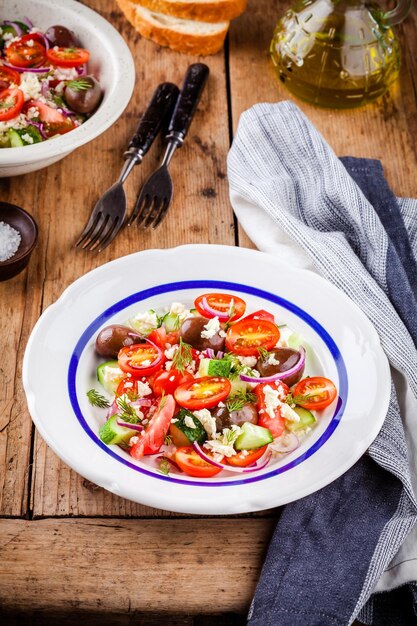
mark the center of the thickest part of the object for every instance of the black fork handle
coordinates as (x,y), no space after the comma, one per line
(159,110)
(192,88)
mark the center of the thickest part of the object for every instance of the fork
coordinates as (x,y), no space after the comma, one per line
(156,194)
(108,214)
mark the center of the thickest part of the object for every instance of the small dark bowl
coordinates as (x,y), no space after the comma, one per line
(24,223)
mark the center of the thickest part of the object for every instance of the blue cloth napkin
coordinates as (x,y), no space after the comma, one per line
(349,550)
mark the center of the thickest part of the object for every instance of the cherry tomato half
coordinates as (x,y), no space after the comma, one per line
(167,381)
(319,392)
(243,460)
(275,424)
(21,54)
(54,122)
(140,359)
(11,102)
(260,315)
(68,57)
(248,335)
(161,337)
(222,304)
(193,465)
(153,437)
(9,76)
(202,393)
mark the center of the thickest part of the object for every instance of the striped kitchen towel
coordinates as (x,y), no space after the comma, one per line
(350,550)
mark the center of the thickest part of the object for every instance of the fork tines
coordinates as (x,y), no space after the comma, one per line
(99,232)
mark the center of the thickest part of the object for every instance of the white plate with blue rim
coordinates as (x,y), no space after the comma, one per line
(60,367)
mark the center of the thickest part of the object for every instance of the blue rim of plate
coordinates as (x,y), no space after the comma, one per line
(226,286)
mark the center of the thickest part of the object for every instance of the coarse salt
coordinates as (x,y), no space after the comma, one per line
(9,241)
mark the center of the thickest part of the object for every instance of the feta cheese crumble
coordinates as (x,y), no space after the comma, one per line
(223,443)
(144,322)
(188,421)
(143,389)
(211,328)
(207,421)
(275,398)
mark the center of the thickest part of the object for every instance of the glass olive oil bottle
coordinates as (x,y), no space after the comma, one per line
(337,53)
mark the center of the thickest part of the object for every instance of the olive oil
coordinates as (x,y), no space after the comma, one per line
(335,53)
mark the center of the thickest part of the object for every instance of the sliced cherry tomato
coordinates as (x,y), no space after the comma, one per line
(11,102)
(153,437)
(222,304)
(319,392)
(161,337)
(34,37)
(275,424)
(21,54)
(202,393)
(9,76)
(260,315)
(68,57)
(167,381)
(248,335)
(54,122)
(192,464)
(243,460)
(140,359)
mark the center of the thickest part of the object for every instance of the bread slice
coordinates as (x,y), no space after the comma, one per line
(203,10)
(191,36)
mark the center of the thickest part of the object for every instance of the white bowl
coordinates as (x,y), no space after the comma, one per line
(111,62)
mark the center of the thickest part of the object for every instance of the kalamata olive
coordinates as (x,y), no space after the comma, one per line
(61,36)
(247,414)
(83,94)
(191,330)
(114,337)
(225,419)
(287,358)
(222,416)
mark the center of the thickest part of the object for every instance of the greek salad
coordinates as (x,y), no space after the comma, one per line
(45,90)
(208,389)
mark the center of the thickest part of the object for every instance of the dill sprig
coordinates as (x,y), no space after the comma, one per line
(127,412)
(264,354)
(164,466)
(183,356)
(96,399)
(168,440)
(239,400)
(300,399)
(79,84)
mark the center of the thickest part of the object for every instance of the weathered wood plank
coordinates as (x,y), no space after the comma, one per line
(386,130)
(66,192)
(128,566)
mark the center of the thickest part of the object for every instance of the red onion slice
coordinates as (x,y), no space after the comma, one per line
(286,443)
(260,464)
(279,375)
(27,21)
(208,309)
(39,126)
(81,69)
(35,70)
(19,31)
(137,427)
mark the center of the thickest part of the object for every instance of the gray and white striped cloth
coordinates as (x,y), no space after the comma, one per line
(295,199)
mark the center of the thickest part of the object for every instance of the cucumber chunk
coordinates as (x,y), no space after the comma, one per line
(307,419)
(109,376)
(184,435)
(111,432)
(252,437)
(171,321)
(15,139)
(215,367)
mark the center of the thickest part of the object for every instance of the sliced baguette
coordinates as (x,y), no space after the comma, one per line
(189,36)
(203,10)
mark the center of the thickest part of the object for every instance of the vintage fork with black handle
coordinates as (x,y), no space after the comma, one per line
(156,194)
(108,214)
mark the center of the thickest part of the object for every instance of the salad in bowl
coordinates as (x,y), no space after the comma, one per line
(45,87)
(207,389)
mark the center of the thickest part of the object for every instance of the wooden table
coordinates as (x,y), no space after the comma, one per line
(66,545)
